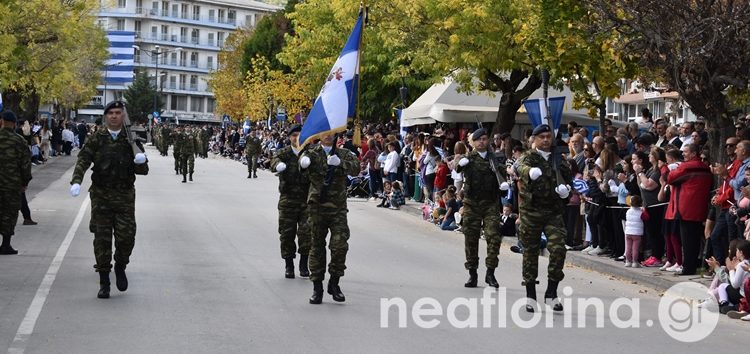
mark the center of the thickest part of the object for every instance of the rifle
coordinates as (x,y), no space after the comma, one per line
(493,160)
(556,150)
(329,173)
(126,124)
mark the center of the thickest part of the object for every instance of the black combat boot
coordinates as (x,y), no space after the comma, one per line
(289,271)
(551,295)
(184,179)
(190,177)
(490,278)
(304,271)
(120,279)
(335,290)
(176,171)
(249,175)
(5,248)
(255,175)
(317,296)
(530,295)
(103,285)
(472,282)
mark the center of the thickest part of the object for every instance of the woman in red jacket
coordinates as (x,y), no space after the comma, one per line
(690,185)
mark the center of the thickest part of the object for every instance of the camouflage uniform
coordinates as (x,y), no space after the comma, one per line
(481,210)
(112,195)
(541,210)
(327,207)
(293,214)
(206,133)
(186,143)
(165,134)
(15,174)
(252,150)
(174,137)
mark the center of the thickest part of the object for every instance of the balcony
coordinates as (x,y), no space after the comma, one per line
(179,41)
(193,87)
(193,63)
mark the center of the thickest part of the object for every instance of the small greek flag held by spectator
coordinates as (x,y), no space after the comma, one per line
(580,186)
(337,100)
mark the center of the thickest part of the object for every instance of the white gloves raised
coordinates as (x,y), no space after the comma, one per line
(563,190)
(75,190)
(504,186)
(140,158)
(280,167)
(304,162)
(463,162)
(334,160)
(535,173)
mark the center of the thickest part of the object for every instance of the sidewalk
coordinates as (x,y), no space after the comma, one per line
(650,277)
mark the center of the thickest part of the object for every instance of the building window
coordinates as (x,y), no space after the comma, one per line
(137,29)
(212,15)
(120,25)
(210,105)
(193,82)
(232,17)
(122,4)
(220,39)
(210,63)
(173,82)
(183,79)
(195,36)
(179,103)
(196,13)
(221,16)
(196,104)
(211,39)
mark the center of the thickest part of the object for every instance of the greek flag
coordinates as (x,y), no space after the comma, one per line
(120,65)
(1,101)
(337,100)
(537,111)
(580,186)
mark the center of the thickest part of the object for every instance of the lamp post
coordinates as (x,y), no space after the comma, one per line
(106,72)
(156,53)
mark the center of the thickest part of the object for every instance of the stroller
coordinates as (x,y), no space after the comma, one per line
(358,186)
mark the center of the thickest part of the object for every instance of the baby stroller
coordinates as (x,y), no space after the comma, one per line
(358,186)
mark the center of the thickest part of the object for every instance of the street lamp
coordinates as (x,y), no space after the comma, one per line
(156,53)
(106,72)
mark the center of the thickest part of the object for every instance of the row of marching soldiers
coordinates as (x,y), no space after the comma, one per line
(187,141)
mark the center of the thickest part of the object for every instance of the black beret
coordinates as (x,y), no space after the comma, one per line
(478,133)
(113,104)
(294,129)
(544,128)
(8,116)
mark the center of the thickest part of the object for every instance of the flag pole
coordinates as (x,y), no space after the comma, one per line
(357,138)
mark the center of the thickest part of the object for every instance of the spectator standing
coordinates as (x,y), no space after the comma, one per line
(392,161)
(68,138)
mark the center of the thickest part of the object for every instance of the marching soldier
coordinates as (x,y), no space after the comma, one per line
(327,168)
(293,187)
(15,174)
(174,137)
(481,208)
(165,135)
(542,204)
(252,150)
(187,144)
(112,194)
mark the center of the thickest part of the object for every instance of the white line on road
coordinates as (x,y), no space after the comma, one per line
(32,314)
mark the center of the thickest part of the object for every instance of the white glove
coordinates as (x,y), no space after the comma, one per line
(612,185)
(463,162)
(673,166)
(334,160)
(140,158)
(75,190)
(280,167)
(563,190)
(304,162)
(504,186)
(535,173)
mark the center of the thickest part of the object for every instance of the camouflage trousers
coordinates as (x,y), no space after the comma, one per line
(322,220)
(176,161)
(10,204)
(533,223)
(112,213)
(187,163)
(293,218)
(477,216)
(252,163)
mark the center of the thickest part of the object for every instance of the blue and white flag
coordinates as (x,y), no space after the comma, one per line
(1,101)
(537,111)
(337,100)
(121,63)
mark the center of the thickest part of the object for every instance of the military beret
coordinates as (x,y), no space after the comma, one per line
(114,104)
(544,128)
(8,116)
(478,133)
(294,129)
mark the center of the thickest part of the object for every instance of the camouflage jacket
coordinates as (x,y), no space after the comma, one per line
(333,195)
(15,161)
(539,196)
(186,143)
(293,184)
(112,159)
(174,139)
(252,146)
(480,182)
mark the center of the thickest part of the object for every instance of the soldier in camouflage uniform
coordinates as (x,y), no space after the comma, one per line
(165,134)
(327,167)
(174,137)
(293,187)
(252,151)
(15,174)
(542,204)
(207,133)
(198,137)
(186,142)
(112,194)
(481,209)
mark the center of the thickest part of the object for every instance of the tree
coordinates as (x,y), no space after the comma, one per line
(140,98)
(49,50)
(227,82)
(698,48)
(267,39)
(266,90)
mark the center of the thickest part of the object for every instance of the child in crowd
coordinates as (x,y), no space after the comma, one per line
(633,231)
(508,222)
(459,214)
(441,175)
(721,275)
(386,196)
(397,196)
(439,210)
(730,294)
(451,207)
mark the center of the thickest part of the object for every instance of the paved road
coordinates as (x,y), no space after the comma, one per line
(206,276)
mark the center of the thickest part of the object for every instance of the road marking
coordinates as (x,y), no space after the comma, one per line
(32,314)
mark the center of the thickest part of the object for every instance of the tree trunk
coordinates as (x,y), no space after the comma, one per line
(25,104)
(602,116)
(506,113)
(718,132)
